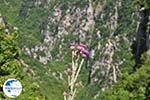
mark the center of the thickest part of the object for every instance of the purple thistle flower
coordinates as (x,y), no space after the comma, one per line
(83,45)
(81,49)
(85,53)
(72,45)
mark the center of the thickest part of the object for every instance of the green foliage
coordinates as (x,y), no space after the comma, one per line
(9,53)
(87,92)
(31,89)
(50,87)
(133,86)
(142,3)
(10,66)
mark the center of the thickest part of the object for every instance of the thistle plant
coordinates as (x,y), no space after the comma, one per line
(79,54)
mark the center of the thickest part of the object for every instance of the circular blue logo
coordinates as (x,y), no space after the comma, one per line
(12,88)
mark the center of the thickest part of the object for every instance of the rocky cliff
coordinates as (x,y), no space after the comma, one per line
(115,31)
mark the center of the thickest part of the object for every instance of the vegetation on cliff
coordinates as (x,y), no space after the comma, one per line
(36,51)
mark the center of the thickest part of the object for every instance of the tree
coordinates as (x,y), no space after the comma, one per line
(133,86)
(10,65)
(9,53)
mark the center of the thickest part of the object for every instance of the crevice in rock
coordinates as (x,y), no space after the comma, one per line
(139,45)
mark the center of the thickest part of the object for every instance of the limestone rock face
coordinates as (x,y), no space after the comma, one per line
(2,23)
(95,23)
(111,30)
(115,33)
